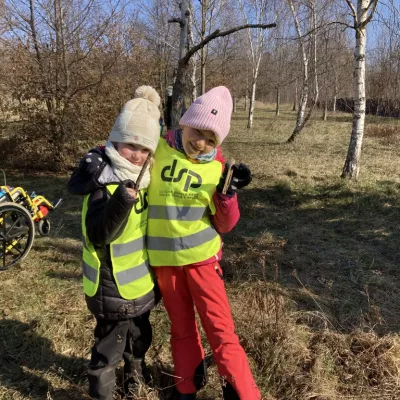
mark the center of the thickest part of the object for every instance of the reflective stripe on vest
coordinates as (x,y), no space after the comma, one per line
(89,272)
(124,249)
(129,257)
(132,274)
(181,243)
(179,231)
(183,213)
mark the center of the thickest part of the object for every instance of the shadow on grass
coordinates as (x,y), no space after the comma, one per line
(336,249)
(26,358)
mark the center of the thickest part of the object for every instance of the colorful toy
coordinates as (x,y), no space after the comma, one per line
(20,214)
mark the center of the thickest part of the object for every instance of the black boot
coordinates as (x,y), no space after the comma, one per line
(179,396)
(229,393)
(101,382)
(135,372)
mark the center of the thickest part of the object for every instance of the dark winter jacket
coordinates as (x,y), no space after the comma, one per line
(105,220)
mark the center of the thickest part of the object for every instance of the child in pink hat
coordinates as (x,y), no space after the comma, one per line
(187,213)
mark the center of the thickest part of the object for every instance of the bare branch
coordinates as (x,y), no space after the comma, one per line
(218,33)
(175,20)
(353,11)
(374,4)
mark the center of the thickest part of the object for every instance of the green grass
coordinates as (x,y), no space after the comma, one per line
(311,274)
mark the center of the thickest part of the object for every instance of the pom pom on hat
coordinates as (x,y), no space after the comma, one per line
(147,92)
(139,120)
(212,112)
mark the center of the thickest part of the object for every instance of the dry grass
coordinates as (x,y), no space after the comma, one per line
(311,273)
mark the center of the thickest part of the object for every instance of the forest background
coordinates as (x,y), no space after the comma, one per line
(311,269)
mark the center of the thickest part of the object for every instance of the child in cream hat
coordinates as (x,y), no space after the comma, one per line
(117,279)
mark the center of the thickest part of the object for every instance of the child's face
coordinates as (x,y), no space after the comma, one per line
(134,153)
(197,142)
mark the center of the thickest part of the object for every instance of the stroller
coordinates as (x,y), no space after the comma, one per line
(20,214)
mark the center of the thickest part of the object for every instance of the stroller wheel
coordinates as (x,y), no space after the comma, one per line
(44,227)
(16,234)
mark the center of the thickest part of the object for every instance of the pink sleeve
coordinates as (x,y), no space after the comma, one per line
(227,213)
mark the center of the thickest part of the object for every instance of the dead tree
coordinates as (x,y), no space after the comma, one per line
(178,95)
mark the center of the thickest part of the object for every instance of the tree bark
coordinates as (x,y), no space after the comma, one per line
(302,118)
(193,59)
(352,164)
(178,95)
(252,101)
(296,100)
(204,5)
(278,101)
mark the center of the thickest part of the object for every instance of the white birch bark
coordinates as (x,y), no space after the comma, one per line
(363,15)
(255,54)
(302,116)
(253,93)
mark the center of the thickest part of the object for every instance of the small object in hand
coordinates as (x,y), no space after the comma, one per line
(142,171)
(228,177)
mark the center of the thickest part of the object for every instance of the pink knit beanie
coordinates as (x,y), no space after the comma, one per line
(212,112)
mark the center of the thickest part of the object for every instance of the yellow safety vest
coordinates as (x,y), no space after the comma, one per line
(179,231)
(129,258)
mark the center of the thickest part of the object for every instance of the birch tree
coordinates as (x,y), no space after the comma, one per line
(256,42)
(302,116)
(362,14)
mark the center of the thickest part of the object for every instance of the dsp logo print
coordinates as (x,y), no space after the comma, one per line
(142,203)
(193,179)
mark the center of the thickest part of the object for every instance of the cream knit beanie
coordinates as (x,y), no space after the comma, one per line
(139,120)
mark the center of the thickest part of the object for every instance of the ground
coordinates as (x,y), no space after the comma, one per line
(311,272)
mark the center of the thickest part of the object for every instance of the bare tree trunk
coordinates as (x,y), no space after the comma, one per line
(252,101)
(335,94)
(234,104)
(278,101)
(178,95)
(352,163)
(204,5)
(325,116)
(302,118)
(247,88)
(193,59)
(296,95)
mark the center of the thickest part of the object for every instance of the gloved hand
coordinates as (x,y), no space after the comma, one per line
(241,177)
(130,187)
(90,165)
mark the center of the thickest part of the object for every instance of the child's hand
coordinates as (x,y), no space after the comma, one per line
(131,188)
(132,192)
(241,177)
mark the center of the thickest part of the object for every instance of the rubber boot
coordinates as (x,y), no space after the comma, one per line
(229,393)
(180,396)
(135,372)
(101,383)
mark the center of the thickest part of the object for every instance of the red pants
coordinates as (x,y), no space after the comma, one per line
(203,286)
